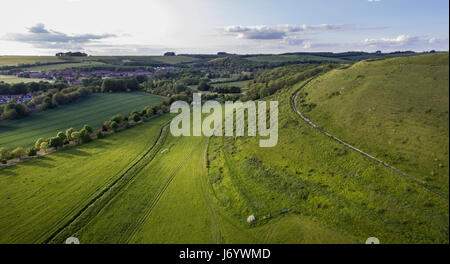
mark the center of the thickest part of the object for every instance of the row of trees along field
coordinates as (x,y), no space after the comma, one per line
(86,134)
(43,101)
(31,87)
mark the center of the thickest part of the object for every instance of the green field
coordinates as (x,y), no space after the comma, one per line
(240,84)
(173,59)
(17,60)
(14,79)
(64,66)
(93,111)
(397,110)
(38,196)
(306,189)
(144,60)
(292,58)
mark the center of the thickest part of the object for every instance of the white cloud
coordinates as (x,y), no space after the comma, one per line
(275,32)
(41,37)
(400,40)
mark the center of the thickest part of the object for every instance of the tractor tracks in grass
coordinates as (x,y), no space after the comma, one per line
(401,173)
(79,219)
(92,195)
(205,186)
(158,197)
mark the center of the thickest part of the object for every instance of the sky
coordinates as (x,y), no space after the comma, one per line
(152,27)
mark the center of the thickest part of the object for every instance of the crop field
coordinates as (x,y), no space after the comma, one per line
(291,58)
(14,79)
(39,195)
(64,66)
(17,60)
(397,109)
(93,111)
(173,59)
(117,60)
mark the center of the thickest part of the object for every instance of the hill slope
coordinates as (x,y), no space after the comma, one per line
(394,109)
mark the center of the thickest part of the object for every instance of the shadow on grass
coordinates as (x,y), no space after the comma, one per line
(41,163)
(6,171)
(71,152)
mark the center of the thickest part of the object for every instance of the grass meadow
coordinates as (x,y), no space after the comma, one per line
(14,79)
(64,66)
(240,84)
(395,109)
(39,195)
(18,60)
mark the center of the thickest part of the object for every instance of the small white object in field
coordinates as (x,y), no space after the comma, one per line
(72,240)
(251,219)
(372,240)
(164,151)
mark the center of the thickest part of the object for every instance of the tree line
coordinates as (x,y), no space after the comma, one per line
(87,133)
(31,87)
(42,101)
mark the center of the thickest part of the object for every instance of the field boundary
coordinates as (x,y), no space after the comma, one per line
(161,137)
(107,183)
(313,125)
(158,197)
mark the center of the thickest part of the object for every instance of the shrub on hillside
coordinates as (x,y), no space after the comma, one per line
(113,125)
(55,142)
(63,137)
(88,129)
(4,154)
(19,153)
(32,152)
(85,136)
(76,136)
(69,134)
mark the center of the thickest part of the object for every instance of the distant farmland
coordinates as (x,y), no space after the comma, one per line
(17,60)
(240,84)
(92,111)
(14,79)
(64,66)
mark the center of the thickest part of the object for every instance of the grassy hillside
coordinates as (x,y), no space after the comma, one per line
(142,60)
(39,195)
(394,109)
(17,60)
(64,66)
(93,111)
(307,189)
(240,84)
(173,59)
(309,177)
(292,58)
(170,200)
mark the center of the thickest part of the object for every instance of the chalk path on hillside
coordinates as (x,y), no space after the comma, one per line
(419,181)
